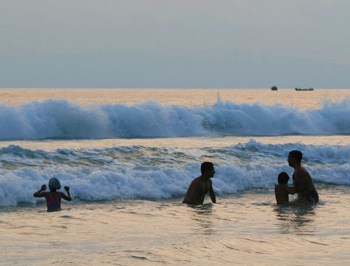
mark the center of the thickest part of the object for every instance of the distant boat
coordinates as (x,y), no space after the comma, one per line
(274,88)
(305,89)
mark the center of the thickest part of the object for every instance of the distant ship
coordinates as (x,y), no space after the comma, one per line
(306,89)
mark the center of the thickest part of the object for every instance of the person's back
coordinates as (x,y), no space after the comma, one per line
(304,186)
(282,190)
(197,191)
(53,200)
(281,193)
(303,180)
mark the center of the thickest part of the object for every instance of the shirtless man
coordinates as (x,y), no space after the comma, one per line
(201,185)
(302,181)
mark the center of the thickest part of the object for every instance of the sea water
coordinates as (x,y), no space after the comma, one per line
(130,154)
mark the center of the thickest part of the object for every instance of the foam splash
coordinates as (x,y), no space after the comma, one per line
(106,174)
(60,119)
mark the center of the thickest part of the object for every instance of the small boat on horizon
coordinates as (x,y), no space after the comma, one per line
(305,89)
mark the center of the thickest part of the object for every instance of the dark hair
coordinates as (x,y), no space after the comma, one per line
(297,155)
(283,178)
(206,166)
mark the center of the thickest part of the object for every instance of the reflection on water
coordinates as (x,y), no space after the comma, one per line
(203,215)
(298,219)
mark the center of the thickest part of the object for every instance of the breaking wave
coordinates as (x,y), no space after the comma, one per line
(61,119)
(137,172)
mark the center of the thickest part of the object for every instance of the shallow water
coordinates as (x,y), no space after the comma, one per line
(245,229)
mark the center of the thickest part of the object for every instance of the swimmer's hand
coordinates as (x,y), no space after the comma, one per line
(43,187)
(66,188)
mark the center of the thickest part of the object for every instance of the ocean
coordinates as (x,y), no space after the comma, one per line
(129,156)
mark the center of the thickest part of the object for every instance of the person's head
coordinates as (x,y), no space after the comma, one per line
(295,157)
(207,168)
(283,178)
(54,184)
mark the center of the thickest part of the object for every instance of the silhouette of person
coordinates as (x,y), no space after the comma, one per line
(282,190)
(201,185)
(302,181)
(53,198)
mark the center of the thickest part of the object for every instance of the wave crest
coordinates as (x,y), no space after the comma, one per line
(61,119)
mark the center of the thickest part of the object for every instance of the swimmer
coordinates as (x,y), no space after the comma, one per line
(53,198)
(282,190)
(201,185)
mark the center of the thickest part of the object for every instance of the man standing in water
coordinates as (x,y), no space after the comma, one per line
(302,181)
(201,185)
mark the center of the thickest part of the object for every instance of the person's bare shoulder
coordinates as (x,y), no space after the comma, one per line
(197,180)
(303,173)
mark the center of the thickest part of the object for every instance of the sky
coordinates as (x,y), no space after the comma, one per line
(178,43)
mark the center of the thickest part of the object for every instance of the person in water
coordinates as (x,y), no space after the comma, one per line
(302,181)
(53,198)
(201,185)
(282,190)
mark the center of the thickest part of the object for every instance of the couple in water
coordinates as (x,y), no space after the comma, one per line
(302,184)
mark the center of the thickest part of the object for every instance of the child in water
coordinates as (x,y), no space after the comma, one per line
(53,198)
(282,190)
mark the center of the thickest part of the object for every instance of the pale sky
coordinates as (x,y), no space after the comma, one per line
(178,43)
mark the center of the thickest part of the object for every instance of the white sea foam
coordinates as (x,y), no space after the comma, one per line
(66,120)
(138,172)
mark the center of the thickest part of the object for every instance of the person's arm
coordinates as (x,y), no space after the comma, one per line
(290,190)
(211,192)
(40,193)
(68,196)
(276,192)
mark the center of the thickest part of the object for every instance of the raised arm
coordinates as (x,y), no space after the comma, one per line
(68,196)
(40,193)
